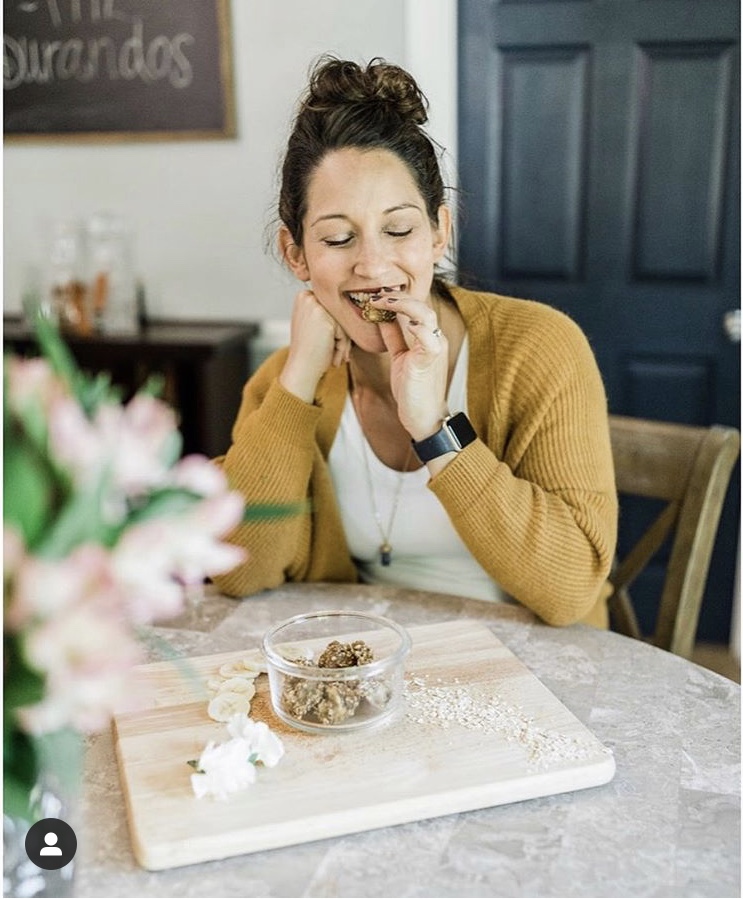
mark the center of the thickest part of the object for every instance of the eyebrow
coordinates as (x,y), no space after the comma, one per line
(340,215)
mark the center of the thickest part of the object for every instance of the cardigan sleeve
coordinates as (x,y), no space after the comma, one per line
(534,498)
(270,462)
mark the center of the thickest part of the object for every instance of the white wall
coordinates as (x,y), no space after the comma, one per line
(200,209)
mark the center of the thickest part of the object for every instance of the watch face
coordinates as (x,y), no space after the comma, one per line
(460,426)
(455,433)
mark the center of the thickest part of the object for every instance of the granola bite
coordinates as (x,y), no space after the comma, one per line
(333,702)
(371,314)
(345,655)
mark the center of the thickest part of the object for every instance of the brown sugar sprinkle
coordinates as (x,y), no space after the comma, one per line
(447,706)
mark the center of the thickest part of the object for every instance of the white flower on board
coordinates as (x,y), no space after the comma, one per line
(223,769)
(229,767)
(265,746)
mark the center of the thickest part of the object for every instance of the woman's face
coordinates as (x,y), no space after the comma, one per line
(366,229)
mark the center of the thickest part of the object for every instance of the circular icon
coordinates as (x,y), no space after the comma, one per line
(51,843)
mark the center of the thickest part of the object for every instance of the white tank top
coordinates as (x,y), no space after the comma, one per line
(427,553)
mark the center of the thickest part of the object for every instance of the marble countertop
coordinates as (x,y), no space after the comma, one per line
(668,824)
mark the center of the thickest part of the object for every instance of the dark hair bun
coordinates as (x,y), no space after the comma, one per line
(337,82)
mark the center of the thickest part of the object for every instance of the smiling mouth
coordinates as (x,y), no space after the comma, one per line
(362,299)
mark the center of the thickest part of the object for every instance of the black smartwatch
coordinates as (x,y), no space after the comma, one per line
(455,433)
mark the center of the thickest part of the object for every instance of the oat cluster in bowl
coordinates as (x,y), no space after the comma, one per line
(336,670)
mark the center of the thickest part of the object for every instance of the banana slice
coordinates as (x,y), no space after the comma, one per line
(214,683)
(224,705)
(293,652)
(238,685)
(255,661)
(238,668)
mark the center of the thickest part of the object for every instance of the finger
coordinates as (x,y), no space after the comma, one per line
(393,337)
(341,347)
(430,338)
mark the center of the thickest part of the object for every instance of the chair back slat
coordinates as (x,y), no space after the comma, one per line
(653,459)
(690,468)
(646,547)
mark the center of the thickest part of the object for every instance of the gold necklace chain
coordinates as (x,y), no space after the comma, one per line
(385,548)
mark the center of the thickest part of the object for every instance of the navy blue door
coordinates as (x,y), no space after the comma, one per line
(599,169)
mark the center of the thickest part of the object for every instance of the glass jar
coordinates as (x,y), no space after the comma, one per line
(66,288)
(111,278)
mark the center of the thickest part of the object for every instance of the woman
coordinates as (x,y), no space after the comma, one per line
(443,439)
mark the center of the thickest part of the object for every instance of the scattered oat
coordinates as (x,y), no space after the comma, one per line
(445,706)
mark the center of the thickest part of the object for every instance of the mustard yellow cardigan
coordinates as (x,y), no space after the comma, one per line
(533,497)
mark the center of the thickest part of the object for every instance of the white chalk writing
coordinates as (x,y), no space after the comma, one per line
(32,61)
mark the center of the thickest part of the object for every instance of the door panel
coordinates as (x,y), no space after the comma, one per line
(599,172)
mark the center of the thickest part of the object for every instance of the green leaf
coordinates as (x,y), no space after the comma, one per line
(94,391)
(20,771)
(90,391)
(29,490)
(17,796)
(24,687)
(170,501)
(60,755)
(268,511)
(57,352)
(79,521)
(153,386)
(172,449)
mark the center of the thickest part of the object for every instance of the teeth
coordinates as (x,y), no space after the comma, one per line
(361,298)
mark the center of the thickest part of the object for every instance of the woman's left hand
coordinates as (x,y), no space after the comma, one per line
(419,360)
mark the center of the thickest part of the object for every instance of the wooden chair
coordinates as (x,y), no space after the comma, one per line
(689,468)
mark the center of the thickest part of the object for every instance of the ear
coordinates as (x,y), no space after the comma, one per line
(292,254)
(442,232)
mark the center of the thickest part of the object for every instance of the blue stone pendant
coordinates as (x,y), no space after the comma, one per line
(385,554)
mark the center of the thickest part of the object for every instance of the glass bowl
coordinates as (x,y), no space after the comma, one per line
(336,671)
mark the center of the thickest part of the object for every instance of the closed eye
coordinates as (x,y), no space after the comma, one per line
(338,242)
(400,233)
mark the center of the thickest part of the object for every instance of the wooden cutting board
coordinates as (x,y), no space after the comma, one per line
(518,741)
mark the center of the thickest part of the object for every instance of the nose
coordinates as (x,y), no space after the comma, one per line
(372,258)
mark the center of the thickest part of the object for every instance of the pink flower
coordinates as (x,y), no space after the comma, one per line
(73,620)
(13,550)
(32,382)
(48,588)
(153,560)
(200,475)
(77,635)
(87,659)
(134,444)
(143,567)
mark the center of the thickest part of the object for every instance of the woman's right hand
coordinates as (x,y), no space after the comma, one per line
(317,342)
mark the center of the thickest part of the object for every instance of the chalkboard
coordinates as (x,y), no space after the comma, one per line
(117,69)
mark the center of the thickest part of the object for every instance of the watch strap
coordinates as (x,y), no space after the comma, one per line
(455,433)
